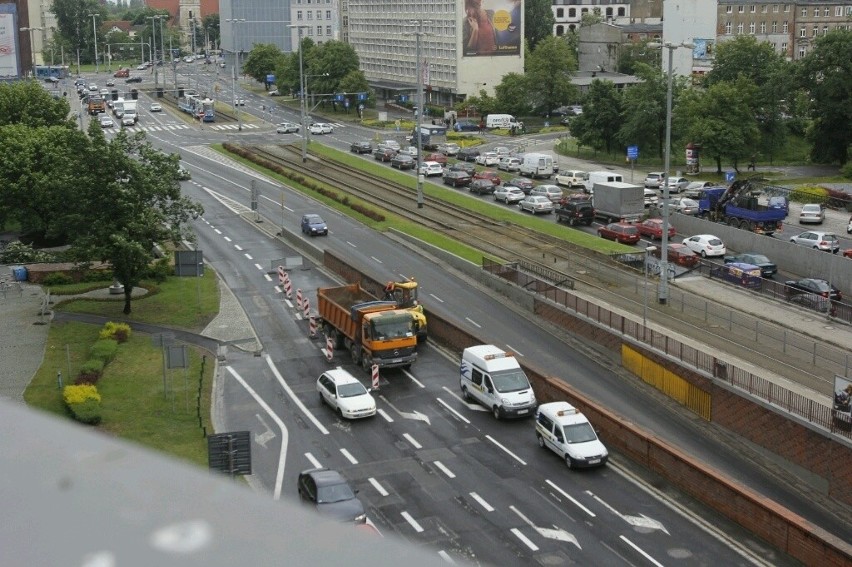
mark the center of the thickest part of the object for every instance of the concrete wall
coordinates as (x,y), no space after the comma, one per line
(778,248)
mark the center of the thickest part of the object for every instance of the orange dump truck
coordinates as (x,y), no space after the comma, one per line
(374,332)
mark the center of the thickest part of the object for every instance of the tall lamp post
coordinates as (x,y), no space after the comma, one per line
(302,94)
(418,113)
(235,72)
(153,49)
(32,48)
(663,292)
(648,251)
(95,29)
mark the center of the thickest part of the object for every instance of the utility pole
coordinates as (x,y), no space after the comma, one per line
(95,29)
(418,113)
(154,50)
(235,72)
(302,95)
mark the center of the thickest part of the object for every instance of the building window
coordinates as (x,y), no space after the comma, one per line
(328,14)
(299,15)
(838,10)
(622,12)
(572,12)
(815,31)
(775,8)
(786,28)
(824,30)
(327,30)
(752,9)
(729,9)
(804,12)
(784,47)
(786,7)
(762,27)
(310,15)
(728,28)
(774,27)
(764,8)
(560,13)
(825,11)
(319,30)
(741,9)
(739,28)
(751,28)
(319,14)
(816,12)
(803,32)
(802,52)
(609,12)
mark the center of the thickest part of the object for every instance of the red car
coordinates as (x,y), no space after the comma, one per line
(679,254)
(492,176)
(847,253)
(440,158)
(653,229)
(622,232)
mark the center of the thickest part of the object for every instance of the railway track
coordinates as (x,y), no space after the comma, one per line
(503,240)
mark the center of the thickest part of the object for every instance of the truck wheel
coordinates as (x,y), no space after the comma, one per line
(366,364)
(356,355)
(745,225)
(466,395)
(496,412)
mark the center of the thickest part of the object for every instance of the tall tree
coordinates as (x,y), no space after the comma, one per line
(538,21)
(327,64)
(644,110)
(632,55)
(262,60)
(74,23)
(721,120)
(599,124)
(549,68)
(825,73)
(27,103)
(513,94)
(210,23)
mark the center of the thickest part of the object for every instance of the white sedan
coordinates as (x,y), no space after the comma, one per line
(705,245)
(345,394)
(156,107)
(430,168)
(321,128)
(488,158)
(287,128)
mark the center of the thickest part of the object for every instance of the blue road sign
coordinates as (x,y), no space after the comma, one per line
(403,98)
(362,96)
(730,176)
(632,152)
(270,79)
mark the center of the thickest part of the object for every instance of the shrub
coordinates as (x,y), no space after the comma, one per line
(117,331)
(57,278)
(104,350)
(20,253)
(846,170)
(809,194)
(159,271)
(84,403)
(95,276)
(90,371)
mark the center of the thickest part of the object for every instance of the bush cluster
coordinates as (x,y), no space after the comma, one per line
(84,403)
(57,279)
(19,253)
(308,183)
(104,350)
(809,194)
(119,332)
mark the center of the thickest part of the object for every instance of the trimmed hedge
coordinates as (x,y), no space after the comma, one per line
(90,372)
(104,350)
(119,332)
(83,402)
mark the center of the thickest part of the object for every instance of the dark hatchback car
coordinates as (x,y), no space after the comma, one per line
(403,161)
(767,267)
(482,186)
(465,126)
(468,168)
(456,178)
(523,184)
(134,80)
(361,148)
(622,232)
(313,225)
(383,154)
(576,212)
(812,286)
(331,494)
(467,154)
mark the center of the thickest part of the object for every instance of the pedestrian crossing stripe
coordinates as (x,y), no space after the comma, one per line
(135,129)
(233,126)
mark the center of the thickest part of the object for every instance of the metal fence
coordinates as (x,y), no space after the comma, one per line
(820,414)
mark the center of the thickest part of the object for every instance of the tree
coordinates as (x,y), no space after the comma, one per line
(549,68)
(825,73)
(136,202)
(27,103)
(356,82)
(538,22)
(644,110)
(210,23)
(262,60)
(720,119)
(632,55)
(327,64)
(599,124)
(513,94)
(75,23)
(287,72)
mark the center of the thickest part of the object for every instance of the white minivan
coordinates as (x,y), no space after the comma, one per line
(601,177)
(565,431)
(493,378)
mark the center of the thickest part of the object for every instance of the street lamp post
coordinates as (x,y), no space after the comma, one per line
(95,29)
(153,49)
(235,72)
(32,48)
(302,94)
(418,113)
(663,292)
(648,251)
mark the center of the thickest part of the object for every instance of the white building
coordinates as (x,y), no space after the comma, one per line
(569,13)
(689,21)
(41,16)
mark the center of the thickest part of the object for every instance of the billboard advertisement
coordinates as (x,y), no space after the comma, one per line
(8,43)
(491,27)
(704,49)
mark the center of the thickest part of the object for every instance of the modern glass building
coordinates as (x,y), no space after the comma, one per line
(265,21)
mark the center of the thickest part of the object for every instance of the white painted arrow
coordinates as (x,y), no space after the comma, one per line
(263,438)
(415,415)
(554,533)
(470,406)
(641,521)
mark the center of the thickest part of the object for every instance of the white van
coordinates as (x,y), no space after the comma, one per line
(601,177)
(567,432)
(493,378)
(500,121)
(537,165)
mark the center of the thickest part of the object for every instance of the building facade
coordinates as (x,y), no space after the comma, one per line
(569,13)
(600,45)
(257,21)
(321,19)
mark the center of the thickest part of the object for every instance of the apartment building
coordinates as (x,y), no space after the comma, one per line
(569,13)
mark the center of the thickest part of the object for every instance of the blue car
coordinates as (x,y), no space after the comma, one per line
(466,127)
(313,225)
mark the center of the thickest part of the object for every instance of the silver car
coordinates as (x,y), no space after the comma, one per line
(812,213)
(818,240)
(654,180)
(508,194)
(677,184)
(536,204)
(552,192)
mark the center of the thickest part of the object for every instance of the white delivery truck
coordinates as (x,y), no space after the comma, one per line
(130,110)
(500,121)
(537,165)
(618,202)
(493,378)
(601,177)
(118,107)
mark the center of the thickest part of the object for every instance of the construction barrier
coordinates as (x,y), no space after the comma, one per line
(299,298)
(329,348)
(313,327)
(375,375)
(306,307)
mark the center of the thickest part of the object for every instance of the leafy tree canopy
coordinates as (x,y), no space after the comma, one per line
(262,60)
(27,103)
(549,68)
(538,22)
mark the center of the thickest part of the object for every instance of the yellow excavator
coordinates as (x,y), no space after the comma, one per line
(405,295)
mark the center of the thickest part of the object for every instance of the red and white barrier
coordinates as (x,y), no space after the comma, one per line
(375,374)
(306,307)
(313,327)
(288,287)
(299,298)
(329,348)
(281,275)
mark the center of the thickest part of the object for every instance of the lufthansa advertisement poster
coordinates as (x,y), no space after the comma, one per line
(491,27)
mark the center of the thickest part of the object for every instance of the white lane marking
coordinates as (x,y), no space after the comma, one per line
(385,415)
(227,239)
(316,464)
(412,441)
(379,488)
(436,297)
(472,322)
(513,349)
(278,289)
(416,415)
(417,527)
(268,278)
(642,520)
(444,469)
(642,552)
(482,502)
(511,454)
(413,379)
(376,259)
(550,533)
(352,244)
(295,398)
(289,303)
(259,267)
(263,438)
(348,456)
(470,406)
(446,557)
(238,247)
(569,497)
(247,255)
(524,539)
(454,412)
(285,436)
(217,231)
